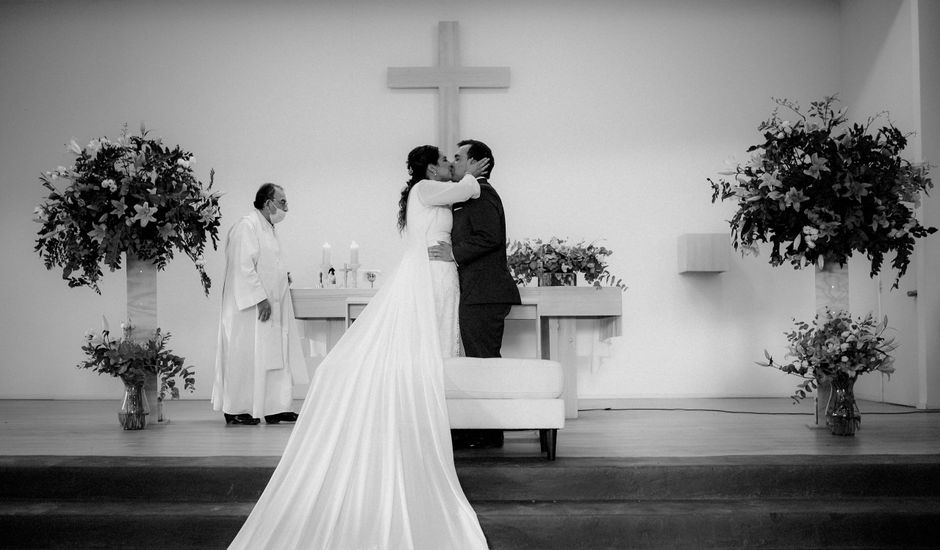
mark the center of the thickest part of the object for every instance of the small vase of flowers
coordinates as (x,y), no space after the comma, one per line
(837,348)
(132,362)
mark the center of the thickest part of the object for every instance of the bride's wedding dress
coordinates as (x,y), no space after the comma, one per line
(369,464)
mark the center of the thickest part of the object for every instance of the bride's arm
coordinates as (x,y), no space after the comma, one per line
(440,193)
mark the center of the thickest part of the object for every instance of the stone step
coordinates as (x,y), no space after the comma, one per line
(231,479)
(723,523)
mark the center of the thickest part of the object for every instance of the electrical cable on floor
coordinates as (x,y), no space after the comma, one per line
(918,411)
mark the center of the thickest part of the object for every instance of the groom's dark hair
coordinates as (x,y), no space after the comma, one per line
(478,151)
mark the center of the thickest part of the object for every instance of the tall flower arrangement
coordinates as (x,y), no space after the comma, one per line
(820,188)
(132,194)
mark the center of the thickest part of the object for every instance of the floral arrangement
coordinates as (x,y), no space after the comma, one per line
(836,346)
(533,258)
(818,189)
(133,195)
(133,361)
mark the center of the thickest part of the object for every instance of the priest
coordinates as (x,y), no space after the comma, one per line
(259,357)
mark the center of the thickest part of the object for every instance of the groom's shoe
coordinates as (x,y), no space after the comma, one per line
(243,419)
(281,417)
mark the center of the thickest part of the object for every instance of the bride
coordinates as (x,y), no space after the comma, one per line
(369,464)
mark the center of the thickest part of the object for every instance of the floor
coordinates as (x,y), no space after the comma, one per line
(621,428)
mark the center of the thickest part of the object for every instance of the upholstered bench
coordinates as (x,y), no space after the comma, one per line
(506,394)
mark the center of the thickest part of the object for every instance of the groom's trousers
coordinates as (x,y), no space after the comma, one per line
(481,328)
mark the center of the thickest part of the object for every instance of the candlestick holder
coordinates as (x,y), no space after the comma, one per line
(354,270)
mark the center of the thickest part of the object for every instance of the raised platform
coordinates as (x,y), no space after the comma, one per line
(662,474)
(640,428)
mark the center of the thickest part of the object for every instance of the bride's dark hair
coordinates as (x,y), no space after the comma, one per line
(418,161)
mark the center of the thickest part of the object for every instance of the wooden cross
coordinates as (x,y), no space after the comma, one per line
(448,77)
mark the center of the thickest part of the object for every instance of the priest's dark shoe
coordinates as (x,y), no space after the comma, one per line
(281,417)
(243,419)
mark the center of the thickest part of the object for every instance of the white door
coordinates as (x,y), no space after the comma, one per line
(900,305)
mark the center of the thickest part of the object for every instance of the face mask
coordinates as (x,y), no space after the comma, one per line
(278,215)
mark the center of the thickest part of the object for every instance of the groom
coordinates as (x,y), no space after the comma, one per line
(487,289)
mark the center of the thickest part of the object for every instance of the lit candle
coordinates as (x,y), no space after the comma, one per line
(327,252)
(354,253)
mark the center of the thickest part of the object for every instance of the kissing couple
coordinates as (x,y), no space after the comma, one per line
(369,464)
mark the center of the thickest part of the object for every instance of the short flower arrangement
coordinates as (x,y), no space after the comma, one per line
(133,361)
(833,347)
(817,188)
(133,195)
(533,258)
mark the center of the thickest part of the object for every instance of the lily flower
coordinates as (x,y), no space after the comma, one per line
(145,214)
(769,180)
(99,233)
(167,231)
(794,197)
(119,207)
(816,165)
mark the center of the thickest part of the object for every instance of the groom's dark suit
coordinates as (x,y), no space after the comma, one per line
(487,289)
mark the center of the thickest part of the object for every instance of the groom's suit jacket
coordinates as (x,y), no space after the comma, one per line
(479,244)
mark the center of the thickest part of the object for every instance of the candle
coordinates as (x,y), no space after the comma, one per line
(354,253)
(327,252)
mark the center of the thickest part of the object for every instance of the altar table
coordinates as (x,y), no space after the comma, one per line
(552,310)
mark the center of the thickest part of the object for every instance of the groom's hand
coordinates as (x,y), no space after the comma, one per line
(441,252)
(477,167)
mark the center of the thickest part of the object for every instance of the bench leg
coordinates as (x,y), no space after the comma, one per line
(549,440)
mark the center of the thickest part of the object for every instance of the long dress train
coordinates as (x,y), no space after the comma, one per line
(369,464)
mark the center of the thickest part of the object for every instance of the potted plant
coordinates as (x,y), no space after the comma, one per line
(556,263)
(133,361)
(836,348)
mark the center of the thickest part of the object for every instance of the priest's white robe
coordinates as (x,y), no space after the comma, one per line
(257,362)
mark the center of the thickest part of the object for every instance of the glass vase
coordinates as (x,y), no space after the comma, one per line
(134,409)
(557,279)
(842,414)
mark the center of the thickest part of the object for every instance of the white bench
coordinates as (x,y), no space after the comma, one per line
(506,394)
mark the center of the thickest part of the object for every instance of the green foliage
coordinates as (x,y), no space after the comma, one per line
(818,188)
(531,257)
(132,361)
(835,346)
(129,195)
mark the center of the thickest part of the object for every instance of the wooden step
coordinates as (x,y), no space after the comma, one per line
(714,502)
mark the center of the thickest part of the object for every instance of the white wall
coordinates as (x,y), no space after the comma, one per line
(889,63)
(617,113)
